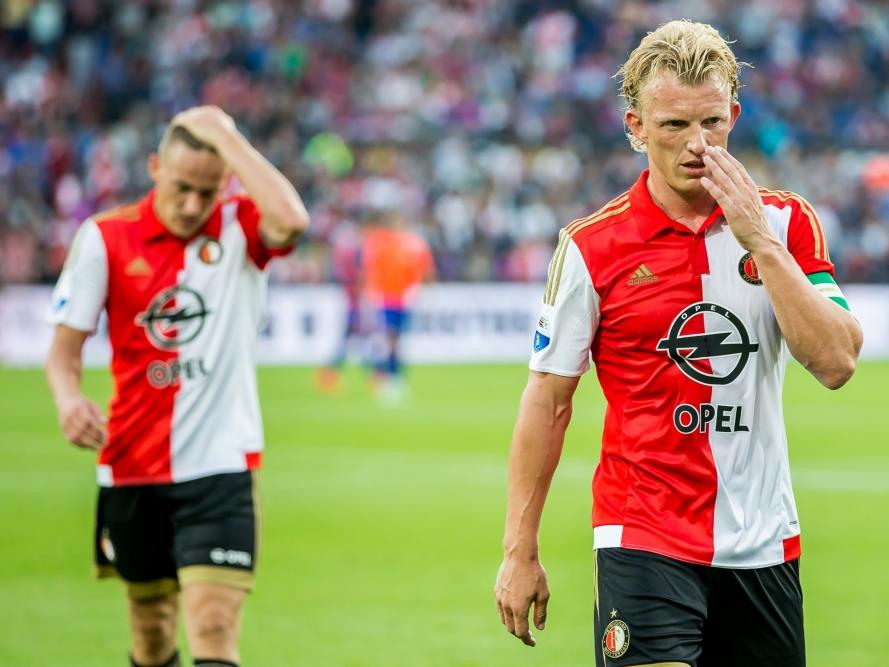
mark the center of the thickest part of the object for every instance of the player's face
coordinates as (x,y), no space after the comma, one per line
(677,122)
(187,183)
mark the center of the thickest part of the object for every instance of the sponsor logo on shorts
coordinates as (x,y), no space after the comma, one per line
(749,272)
(231,557)
(106,546)
(540,341)
(543,324)
(616,639)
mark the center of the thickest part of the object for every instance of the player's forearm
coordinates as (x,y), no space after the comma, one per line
(63,374)
(284,216)
(821,335)
(536,449)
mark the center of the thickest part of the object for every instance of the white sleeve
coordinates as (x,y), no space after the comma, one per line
(570,315)
(79,296)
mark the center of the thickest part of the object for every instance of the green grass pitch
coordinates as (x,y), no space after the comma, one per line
(382,526)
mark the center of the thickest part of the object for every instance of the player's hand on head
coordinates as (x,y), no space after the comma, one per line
(83,423)
(521,583)
(734,190)
(206,123)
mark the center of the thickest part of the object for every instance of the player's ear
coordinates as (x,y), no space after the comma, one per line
(735,112)
(153,166)
(633,121)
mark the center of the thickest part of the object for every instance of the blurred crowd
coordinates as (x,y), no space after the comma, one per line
(489,123)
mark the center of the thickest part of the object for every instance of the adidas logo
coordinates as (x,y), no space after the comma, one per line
(138,267)
(641,276)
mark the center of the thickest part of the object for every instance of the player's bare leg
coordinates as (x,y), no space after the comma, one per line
(153,625)
(213,621)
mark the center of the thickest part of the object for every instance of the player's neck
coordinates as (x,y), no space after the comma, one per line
(690,211)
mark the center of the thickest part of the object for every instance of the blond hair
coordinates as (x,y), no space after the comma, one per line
(695,52)
(177,134)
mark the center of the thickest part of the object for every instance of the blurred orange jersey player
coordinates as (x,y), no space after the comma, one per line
(395,261)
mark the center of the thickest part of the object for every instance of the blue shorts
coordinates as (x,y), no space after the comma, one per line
(394,320)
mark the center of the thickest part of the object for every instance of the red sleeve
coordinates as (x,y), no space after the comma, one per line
(257,250)
(805,238)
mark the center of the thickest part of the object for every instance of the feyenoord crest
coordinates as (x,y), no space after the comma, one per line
(210,251)
(174,317)
(685,348)
(616,639)
(747,269)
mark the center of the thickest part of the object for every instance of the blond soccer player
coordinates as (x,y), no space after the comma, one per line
(688,292)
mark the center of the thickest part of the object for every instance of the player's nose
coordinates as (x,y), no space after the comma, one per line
(191,205)
(697,140)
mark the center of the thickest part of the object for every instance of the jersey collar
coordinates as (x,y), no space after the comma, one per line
(651,218)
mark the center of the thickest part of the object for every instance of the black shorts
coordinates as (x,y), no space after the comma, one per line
(158,537)
(650,609)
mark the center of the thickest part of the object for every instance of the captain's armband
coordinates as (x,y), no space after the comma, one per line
(825,284)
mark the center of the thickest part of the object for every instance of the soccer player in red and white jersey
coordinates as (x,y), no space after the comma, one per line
(181,277)
(688,292)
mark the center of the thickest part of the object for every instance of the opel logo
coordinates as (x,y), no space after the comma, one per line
(684,349)
(174,317)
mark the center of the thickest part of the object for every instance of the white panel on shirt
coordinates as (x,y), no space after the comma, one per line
(755,509)
(216,418)
(79,295)
(565,330)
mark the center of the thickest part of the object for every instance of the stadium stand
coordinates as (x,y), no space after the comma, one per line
(490,123)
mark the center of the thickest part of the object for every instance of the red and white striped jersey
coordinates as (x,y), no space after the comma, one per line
(689,355)
(183,318)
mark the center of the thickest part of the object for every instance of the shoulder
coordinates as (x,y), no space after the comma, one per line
(120,215)
(801,211)
(803,228)
(242,208)
(578,241)
(241,201)
(613,213)
(88,243)
(787,199)
(117,226)
(237,198)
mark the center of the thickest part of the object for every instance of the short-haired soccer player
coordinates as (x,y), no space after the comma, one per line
(181,277)
(688,291)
